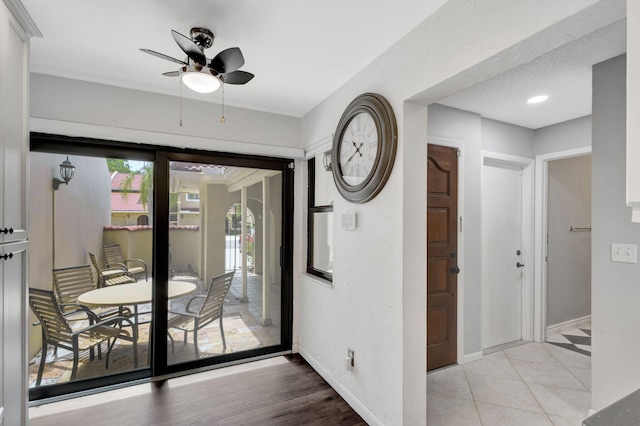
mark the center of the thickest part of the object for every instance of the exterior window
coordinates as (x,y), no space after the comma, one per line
(320,221)
(193,196)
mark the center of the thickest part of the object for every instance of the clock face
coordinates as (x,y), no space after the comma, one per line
(358,149)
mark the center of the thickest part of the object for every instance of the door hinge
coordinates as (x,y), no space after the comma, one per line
(292,166)
(458,153)
(460,218)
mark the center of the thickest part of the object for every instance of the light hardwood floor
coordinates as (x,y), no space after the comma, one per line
(276,391)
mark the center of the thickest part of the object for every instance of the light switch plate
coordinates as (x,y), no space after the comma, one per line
(349,221)
(625,253)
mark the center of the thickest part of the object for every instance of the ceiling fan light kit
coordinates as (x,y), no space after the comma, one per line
(200,79)
(199,73)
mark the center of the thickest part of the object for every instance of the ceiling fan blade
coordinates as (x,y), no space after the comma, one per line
(163,56)
(189,47)
(237,77)
(228,60)
(171,73)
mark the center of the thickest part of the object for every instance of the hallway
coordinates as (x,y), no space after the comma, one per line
(528,384)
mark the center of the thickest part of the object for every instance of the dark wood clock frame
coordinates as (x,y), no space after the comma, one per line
(382,114)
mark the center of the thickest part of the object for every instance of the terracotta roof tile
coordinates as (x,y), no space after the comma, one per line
(118,178)
(130,203)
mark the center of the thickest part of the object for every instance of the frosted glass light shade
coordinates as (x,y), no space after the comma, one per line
(201,81)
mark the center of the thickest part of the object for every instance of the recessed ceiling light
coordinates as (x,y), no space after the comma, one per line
(537,99)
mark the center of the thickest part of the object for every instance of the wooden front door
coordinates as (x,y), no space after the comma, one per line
(442,256)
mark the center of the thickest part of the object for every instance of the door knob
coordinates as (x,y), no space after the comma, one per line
(454,270)
(519,265)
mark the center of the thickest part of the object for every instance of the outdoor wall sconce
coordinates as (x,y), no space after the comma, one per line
(326,161)
(66,173)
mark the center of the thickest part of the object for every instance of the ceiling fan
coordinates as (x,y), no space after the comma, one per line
(196,71)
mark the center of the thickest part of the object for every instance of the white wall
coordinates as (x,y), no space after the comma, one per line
(507,138)
(78,224)
(376,292)
(564,136)
(633,103)
(569,253)
(615,286)
(79,108)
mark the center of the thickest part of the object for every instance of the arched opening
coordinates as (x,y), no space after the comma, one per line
(234,241)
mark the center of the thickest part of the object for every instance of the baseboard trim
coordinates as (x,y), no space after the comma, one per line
(354,402)
(574,323)
(476,356)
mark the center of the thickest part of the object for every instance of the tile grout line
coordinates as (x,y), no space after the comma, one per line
(558,365)
(509,379)
(473,397)
(529,388)
(569,371)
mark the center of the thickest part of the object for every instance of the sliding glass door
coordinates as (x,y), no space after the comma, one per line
(183,257)
(225,235)
(89,321)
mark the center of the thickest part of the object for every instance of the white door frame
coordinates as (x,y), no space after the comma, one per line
(527,165)
(460,300)
(542,188)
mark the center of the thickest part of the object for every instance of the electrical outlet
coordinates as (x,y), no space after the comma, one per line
(625,253)
(349,360)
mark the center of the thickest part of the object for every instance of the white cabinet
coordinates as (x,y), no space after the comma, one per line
(13,343)
(15,28)
(14,75)
(633,108)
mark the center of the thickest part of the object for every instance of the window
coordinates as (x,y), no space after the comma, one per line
(320,221)
(191,196)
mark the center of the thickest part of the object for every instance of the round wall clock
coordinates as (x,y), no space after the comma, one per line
(364,148)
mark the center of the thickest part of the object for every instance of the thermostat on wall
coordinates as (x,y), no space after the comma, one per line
(349,220)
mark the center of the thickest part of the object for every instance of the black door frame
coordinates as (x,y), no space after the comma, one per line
(161,156)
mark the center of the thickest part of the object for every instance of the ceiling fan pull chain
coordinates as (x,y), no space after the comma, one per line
(222,119)
(180,84)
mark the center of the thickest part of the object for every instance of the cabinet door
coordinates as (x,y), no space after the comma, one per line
(14,332)
(13,126)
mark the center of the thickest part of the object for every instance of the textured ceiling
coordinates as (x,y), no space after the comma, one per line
(563,74)
(300,51)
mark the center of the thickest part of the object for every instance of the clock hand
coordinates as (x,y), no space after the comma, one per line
(352,155)
(356,152)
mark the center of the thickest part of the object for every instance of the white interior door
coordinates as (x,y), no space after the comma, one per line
(501,253)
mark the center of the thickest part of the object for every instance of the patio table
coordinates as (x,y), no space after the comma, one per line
(131,294)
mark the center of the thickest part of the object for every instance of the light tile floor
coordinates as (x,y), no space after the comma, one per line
(528,384)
